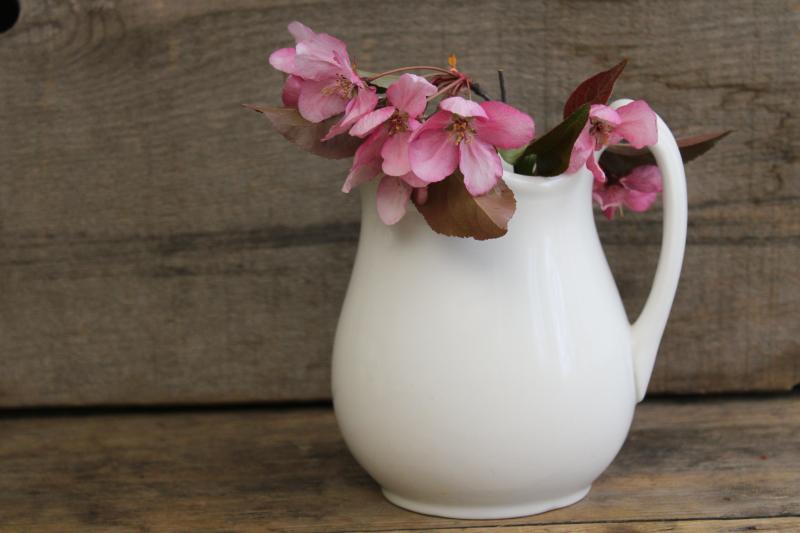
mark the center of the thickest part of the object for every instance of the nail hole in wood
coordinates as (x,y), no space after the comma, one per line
(9,13)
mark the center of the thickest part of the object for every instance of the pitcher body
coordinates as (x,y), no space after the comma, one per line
(482,379)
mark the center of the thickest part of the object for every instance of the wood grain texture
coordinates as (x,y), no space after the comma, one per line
(158,244)
(708,465)
(774,525)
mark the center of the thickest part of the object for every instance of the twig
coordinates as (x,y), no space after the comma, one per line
(474,87)
(404,69)
(443,89)
(502,80)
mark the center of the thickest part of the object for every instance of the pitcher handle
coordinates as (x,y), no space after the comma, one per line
(647,330)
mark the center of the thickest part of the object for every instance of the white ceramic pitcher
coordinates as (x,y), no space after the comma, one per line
(498,378)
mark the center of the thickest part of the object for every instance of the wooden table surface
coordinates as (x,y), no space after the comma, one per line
(720,464)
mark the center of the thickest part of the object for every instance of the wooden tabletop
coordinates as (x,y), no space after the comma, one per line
(723,464)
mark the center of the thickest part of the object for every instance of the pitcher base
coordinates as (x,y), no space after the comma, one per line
(478,512)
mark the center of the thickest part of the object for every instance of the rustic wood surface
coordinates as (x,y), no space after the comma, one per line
(703,465)
(159,244)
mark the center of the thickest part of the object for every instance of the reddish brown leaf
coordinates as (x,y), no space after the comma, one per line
(620,159)
(307,135)
(595,90)
(690,147)
(450,210)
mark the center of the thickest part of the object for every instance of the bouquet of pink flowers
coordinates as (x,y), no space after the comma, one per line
(418,131)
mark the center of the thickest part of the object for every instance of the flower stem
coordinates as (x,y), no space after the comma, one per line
(404,69)
(475,88)
(502,80)
(443,89)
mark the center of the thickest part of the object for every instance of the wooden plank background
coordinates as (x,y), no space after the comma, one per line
(159,244)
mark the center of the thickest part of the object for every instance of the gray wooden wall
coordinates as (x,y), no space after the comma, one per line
(159,244)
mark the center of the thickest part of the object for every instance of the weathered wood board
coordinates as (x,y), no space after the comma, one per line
(159,244)
(708,465)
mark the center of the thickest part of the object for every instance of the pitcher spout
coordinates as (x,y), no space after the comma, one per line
(551,202)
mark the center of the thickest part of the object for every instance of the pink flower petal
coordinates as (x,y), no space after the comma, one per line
(370,121)
(369,152)
(504,126)
(300,31)
(347,71)
(413,180)
(315,69)
(364,102)
(597,172)
(641,187)
(291,91)
(639,201)
(462,106)
(605,113)
(283,60)
(392,198)
(314,105)
(581,151)
(395,154)
(359,175)
(431,152)
(480,165)
(321,57)
(421,195)
(638,125)
(366,162)
(409,94)
(608,196)
(645,178)
(438,121)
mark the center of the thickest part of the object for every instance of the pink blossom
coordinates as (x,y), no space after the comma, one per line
(464,135)
(392,199)
(363,103)
(388,131)
(367,161)
(393,191)
(291,90)
(407,98)
(635,122)
(637,191)
(322,82)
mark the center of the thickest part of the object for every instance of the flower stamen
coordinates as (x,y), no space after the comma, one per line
(460,129)
(601,131)
(398,122)
(342,87)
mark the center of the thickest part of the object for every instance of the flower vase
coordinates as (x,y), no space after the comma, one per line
(498,378)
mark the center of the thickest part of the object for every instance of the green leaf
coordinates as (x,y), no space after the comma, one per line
(511,155)
(526,165)
(451,210)
(595,90)
(554,148)
(620,159)
(294,128)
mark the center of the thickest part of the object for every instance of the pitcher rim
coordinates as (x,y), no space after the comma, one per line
(519,182)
